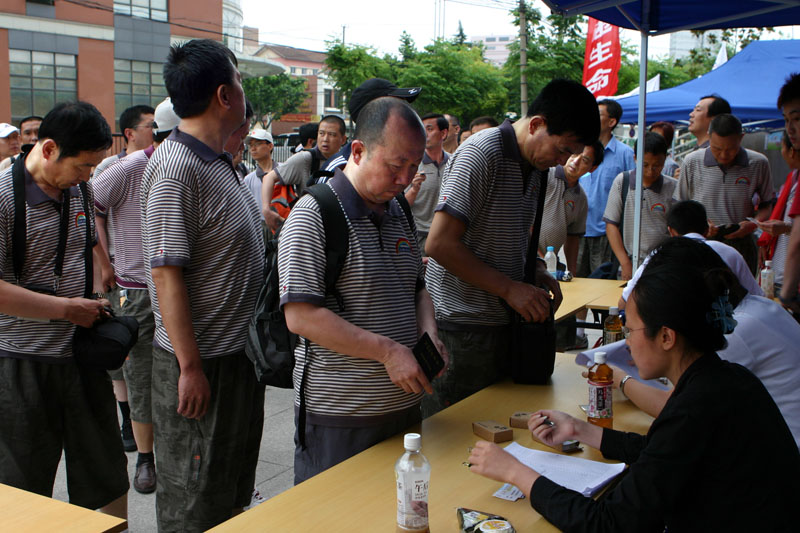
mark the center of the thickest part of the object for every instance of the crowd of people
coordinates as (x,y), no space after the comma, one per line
(439,220)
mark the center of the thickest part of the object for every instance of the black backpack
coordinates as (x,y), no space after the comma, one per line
(270,344)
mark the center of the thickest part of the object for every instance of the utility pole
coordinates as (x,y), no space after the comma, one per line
(523,60)
(343,27)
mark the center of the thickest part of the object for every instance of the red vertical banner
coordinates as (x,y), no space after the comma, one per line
(602,59)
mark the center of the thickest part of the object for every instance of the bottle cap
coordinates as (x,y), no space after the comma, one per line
(613,310)
(550,249)
(768,264)
(412,442)
(599,357)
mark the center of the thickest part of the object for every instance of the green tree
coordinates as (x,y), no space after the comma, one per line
(672,73)
(456,80)
(460,38)
(274,96)
(350,65)
(556,48)
(408,48)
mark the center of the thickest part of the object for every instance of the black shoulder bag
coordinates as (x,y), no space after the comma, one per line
(106,344)
(533,344)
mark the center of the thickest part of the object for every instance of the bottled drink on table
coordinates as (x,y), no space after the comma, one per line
(767,280)
(601,381)
(612,327)
(412,473)
(551,261)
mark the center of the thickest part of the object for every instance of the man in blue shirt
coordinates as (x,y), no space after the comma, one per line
(594,248)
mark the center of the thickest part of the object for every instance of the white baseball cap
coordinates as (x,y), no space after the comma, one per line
(165,117)
(260,135)
(6,129)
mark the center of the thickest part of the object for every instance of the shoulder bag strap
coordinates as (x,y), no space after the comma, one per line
(20,234)
(533,245)
(88,258)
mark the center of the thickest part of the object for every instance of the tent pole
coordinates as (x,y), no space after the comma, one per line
(637,209)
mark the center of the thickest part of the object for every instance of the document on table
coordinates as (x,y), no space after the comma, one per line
(617,353)
(581,475)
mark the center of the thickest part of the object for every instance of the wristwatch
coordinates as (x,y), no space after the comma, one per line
(622,385)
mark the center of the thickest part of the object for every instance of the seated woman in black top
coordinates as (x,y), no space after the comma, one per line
(719,457)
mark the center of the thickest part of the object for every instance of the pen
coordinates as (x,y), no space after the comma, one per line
(548,422)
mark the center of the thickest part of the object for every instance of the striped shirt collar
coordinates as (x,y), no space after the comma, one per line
(741,159)
(198,147)
(655,187)
(353,205)
(426,160)
(34,195)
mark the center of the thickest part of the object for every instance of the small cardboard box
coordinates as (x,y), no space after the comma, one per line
(492,431)
(519,419)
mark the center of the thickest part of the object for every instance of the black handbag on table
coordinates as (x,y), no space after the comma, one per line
(533,344)
(107,343)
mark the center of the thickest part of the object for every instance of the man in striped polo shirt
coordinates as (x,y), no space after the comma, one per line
(50,404)
(725,178)
(204,261)
(479,237)
(362,382)
(116,198)
(566,205)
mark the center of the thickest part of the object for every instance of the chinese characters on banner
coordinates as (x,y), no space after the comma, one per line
(602,59)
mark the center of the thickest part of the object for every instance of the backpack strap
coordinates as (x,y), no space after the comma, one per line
(626,184)
(316,173)
(337,242)
(336,237)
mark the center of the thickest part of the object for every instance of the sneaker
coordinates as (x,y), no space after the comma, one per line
(255,499)
(128,442)
(145,479)
(581,342)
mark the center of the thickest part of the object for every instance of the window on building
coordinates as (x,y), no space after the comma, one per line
(294,70)
(40,80)
(491,39)
(491,47)
(333,98)
(316,71)
(305,71)
(148,9)
(137,82)
(502,39)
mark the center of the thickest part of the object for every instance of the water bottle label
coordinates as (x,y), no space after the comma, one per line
(412,500)
(599,400)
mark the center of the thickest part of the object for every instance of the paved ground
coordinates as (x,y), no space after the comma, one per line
(275,466)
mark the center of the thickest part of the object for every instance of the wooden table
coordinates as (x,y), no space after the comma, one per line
(23,511)
(359,494)
(581,292)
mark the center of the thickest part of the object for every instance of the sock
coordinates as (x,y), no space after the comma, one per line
(145,458)
(125,409)
(579,332)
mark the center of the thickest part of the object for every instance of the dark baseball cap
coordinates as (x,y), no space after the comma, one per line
(375,88)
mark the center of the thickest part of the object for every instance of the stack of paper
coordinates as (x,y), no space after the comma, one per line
(580,475)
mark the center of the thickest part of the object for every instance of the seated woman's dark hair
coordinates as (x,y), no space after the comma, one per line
(687,287)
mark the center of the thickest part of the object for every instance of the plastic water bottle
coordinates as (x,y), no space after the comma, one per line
(412,473)
(551,261)
(601,381)
(767,280)
(612,327)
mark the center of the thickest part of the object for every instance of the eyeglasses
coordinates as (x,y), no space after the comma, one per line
(627,331)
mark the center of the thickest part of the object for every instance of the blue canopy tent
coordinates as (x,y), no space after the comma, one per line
(768,62)
(657,17)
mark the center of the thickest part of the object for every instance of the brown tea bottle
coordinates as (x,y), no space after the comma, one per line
(601,382)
